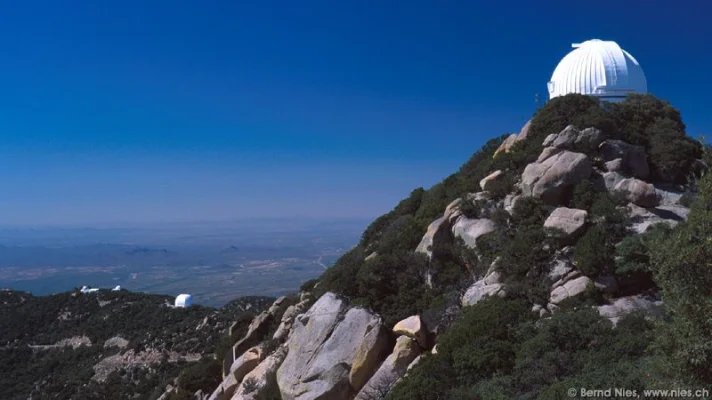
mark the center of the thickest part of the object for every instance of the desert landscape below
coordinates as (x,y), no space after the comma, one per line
(215,262)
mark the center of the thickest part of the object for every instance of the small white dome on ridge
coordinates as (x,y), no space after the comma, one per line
(598,68)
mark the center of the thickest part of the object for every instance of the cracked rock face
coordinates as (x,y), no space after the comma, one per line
(322,348)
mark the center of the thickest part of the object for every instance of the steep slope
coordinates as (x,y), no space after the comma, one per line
(529,271)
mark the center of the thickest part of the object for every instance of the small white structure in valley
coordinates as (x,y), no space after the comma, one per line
(184,300)
(116,289)
(598,68)
(86,289)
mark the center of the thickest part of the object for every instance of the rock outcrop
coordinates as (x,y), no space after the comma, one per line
(413,328)
(322,349)
(260,376)
(242,365)
(513,138)
(633,159)
(643,218)
(622,306)
(436,229)
(570,289)
(484,183)
(470,229)
(638,192)
(548,180)
(373,349)
(570,221)
(572,139)
(392,369)
(479,290)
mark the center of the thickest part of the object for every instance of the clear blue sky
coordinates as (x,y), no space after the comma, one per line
(192,110)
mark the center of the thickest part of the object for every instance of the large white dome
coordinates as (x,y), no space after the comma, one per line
(598,68)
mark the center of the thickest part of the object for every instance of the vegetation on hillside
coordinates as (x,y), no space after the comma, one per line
(394,283)
(146,322)
(495,349)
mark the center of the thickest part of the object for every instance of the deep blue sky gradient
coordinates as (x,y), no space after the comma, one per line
(182,110)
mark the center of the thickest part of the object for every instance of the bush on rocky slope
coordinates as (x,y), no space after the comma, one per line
(497,350)
(558,270)
(642,120)
(681,267)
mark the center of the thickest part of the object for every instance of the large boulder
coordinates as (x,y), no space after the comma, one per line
(260,376)
(616,165)
(288,316)
(547,153)
(571,138)
(570,289)
(524,132)
(392,369)
(242,365)
(549,179)
(622,306)
(255,333)
(570,221)
(435,232)
(470,229)
(487,180)
(322,348)
(506,144)
(634,159)
(278,305)
(373,350)
(638,192)
(412,327)
(479,290)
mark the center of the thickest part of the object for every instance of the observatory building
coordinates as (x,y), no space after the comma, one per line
(184,300)
(598,68)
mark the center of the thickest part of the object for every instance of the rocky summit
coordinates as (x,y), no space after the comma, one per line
(572,254)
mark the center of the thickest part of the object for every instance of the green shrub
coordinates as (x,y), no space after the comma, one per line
(502,186)
(592,255)
(671,153)
(469,208)
(584,195)
(529,211)
(681,267)
(633,253)
(480,344)
(203,375)
(308,286)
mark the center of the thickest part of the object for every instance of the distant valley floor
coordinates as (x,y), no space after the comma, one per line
(210,285)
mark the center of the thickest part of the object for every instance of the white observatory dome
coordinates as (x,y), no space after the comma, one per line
(598,68)
(184,300)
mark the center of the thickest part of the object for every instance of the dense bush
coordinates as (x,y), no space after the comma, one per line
(497,351)
(681,266)
(633,253)
(584,195)
(593,255)
(204,375)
